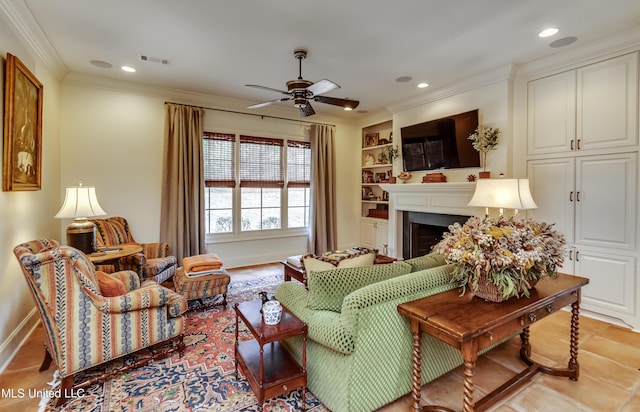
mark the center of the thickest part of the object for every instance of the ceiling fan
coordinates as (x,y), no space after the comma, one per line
(303,91)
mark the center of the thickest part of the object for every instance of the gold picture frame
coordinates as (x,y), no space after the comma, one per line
(22,148)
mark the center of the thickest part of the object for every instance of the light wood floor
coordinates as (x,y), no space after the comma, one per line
(609,358)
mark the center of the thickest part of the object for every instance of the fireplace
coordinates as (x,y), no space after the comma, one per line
(421,231)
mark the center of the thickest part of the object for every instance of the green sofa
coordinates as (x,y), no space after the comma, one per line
(359,348)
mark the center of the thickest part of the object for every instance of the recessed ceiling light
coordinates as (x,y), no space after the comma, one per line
(348,109)
(423,85)
(128,69)
(548,32)
(403,79)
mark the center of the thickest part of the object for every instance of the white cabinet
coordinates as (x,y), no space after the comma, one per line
(590,108)
(589,198)
(374,234)
(612,282)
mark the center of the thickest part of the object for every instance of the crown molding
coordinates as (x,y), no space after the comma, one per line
(487,78)
(25,24)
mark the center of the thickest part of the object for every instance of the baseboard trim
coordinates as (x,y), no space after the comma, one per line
(17,338)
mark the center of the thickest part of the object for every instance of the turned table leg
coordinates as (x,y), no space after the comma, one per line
(575,328)
(470,356)
(416,375)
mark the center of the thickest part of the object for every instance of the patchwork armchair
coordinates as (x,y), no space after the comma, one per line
(83,326)
(154,262)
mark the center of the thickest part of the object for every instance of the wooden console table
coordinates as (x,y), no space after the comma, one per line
(471,324)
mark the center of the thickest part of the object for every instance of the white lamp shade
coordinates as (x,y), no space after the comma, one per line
(503,193)
(80,201)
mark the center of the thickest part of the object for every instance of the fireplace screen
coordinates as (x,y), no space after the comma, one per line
(421,231)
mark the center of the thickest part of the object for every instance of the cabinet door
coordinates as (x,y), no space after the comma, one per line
(606,201)
(551,114)
(552,187)
(612,283)
(367,233)
(607,103)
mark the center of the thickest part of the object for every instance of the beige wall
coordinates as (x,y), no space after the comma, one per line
(29,214)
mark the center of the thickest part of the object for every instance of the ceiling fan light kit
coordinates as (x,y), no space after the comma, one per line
(302,91)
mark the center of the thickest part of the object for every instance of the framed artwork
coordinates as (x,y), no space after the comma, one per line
(22,148)
(382,178)
(371,139)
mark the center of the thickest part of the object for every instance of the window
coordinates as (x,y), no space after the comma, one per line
(299,178)
(220,179)
(254,184)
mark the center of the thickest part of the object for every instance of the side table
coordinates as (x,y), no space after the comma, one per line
(111,255)
(270,369)
(471,324)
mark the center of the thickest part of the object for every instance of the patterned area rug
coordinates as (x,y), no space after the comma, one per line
(203,379)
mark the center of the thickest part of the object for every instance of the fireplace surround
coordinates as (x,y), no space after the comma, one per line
(442,203)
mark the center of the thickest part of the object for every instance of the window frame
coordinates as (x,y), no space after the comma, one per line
(237,234)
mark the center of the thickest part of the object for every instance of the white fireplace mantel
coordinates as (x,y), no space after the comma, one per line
(442,198)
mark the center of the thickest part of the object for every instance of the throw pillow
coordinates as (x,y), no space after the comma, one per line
(332,260)
(328,289)
(109,285)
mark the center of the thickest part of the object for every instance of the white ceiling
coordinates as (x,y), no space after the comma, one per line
(216,47)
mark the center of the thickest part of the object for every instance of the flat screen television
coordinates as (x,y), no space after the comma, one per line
(440,144)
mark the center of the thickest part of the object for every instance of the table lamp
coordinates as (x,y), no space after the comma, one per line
(81,202)
(503,194)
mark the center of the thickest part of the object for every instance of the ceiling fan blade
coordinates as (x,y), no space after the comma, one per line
(263,104)
(322,86)
(307,110)
(271,89)
(346,103)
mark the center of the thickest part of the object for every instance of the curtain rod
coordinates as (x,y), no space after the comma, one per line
(253,114)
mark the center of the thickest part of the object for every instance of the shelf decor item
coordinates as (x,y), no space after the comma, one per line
(22,149)
(484,139)
(502,258)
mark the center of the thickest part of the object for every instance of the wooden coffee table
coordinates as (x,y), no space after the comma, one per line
(270,369)
(471,324)
(297,273)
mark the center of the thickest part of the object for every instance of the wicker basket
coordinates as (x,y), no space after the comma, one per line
(488,291)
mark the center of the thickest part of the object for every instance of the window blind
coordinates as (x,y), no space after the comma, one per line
(261,162)
(218,152)
(298,164)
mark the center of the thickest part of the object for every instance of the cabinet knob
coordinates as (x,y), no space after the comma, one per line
(284,387)
(532,317)
(578,145)
(549,308)
(571,196)
(572,145)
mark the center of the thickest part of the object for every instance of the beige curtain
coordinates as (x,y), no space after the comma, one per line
(182,210)
(323,230)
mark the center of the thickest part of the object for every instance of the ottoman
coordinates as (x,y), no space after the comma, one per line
(201,286)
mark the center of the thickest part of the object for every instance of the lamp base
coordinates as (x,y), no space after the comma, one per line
(81,234)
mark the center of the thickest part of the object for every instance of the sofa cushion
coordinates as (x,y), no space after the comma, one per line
(426,262)
(327,289)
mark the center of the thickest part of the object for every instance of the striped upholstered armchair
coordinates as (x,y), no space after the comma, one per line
(154,262)
(83,327)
